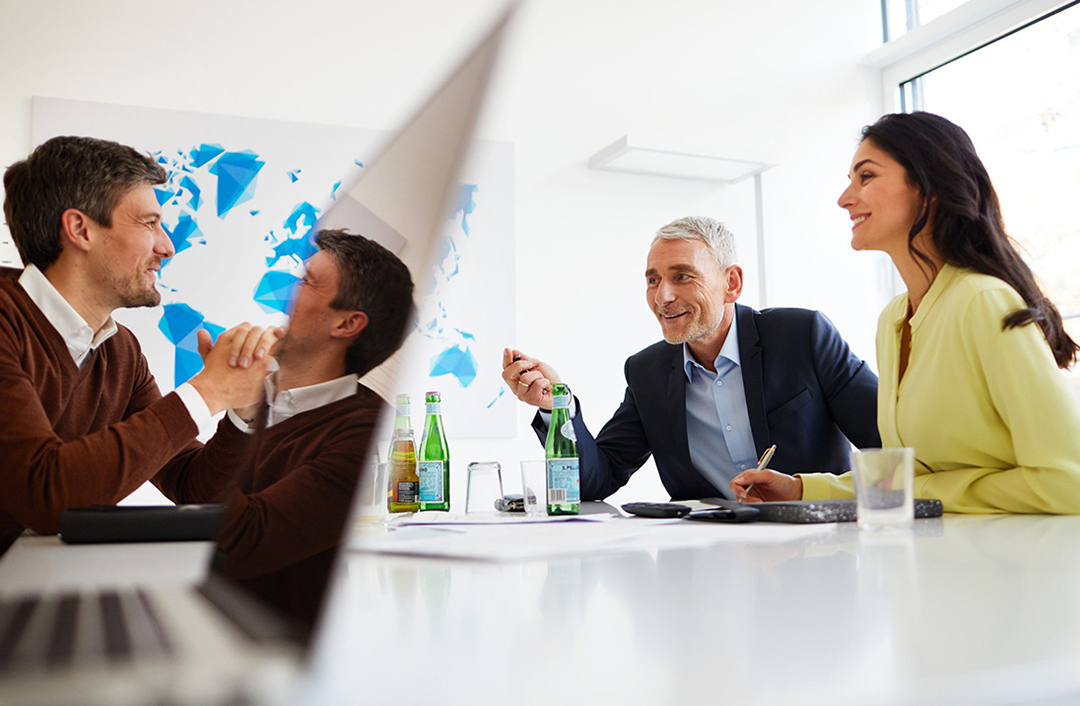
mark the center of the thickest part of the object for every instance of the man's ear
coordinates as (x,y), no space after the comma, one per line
(350,325)
(75,229)
(733,284)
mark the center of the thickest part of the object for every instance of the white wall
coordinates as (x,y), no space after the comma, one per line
(778,77)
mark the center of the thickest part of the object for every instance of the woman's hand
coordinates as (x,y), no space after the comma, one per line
(767,486)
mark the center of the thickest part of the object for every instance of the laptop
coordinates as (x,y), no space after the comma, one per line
(223,640)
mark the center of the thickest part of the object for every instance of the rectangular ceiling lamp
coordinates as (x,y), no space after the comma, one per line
(626,155)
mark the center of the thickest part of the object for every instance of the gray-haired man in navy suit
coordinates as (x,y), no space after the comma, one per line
(726,382)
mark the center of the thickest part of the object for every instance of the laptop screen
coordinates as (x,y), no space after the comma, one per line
(294,496)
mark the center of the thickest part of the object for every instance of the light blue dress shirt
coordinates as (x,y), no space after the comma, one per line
(717,423)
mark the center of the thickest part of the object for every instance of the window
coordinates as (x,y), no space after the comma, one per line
(1016,91)
(898,17)
(1019,100)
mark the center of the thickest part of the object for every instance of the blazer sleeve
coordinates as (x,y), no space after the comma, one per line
(849,386)
(607,461)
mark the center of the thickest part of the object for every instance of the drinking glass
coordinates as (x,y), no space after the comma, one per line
(483,487)
(884,487)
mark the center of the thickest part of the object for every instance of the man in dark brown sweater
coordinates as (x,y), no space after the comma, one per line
(82,421)
(288,507)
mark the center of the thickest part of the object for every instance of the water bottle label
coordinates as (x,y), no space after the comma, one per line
(431,482)
(564,480)
(560,402)
(434,408)
(403,410)
(568,431)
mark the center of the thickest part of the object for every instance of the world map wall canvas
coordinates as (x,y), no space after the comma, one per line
(240,204)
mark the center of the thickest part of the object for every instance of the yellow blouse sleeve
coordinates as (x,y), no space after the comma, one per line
(826,486)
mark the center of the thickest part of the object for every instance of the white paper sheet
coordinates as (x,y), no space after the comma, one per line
(521,542)
(436,517)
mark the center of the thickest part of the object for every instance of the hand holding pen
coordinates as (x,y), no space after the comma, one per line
(767,485)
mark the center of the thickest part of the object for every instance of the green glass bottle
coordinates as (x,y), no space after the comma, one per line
(404,486)
(434,458)
(560,451)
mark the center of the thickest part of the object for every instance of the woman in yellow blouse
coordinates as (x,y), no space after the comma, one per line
(968,358)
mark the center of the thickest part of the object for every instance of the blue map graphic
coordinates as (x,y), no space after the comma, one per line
(456,357)
(457,362)
(232,176)
(182,235)
(236,173)
(180,324)
(234,180)
(275,291)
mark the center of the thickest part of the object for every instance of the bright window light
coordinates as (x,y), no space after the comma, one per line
(1019,100)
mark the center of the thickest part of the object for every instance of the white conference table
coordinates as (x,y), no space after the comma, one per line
(961,610)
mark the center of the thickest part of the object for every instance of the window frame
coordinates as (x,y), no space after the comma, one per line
(947,38)
(957,33)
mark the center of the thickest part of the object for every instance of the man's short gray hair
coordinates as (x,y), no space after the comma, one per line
(715,235)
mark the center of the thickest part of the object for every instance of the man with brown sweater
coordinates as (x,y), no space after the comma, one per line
(82,421)
(312,435)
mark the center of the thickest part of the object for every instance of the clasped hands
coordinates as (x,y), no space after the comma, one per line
(235,366)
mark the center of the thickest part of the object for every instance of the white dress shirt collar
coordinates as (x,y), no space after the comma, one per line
(81,340)
(729,350)
(289,403)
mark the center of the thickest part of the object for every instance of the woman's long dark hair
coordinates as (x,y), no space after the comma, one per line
(967,229)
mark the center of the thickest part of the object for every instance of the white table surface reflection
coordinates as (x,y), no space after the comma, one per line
(982,610)
(961,610)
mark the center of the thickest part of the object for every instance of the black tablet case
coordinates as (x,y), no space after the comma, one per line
(803,511)
(140,523)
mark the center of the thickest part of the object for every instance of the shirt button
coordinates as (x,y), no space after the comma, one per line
(728,427)
(743,467)
(719,383)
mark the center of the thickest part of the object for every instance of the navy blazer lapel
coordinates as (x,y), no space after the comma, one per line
(677,407)
(753,381)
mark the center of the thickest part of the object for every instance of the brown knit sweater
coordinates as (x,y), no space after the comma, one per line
(292,499)
(290,506)
(71,437)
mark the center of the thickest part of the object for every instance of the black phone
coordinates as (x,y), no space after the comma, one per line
(510,503)
(657,509)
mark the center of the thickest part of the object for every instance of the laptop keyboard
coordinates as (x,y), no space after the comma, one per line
(72,629)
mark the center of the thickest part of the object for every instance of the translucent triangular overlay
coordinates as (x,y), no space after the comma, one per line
(402,197)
